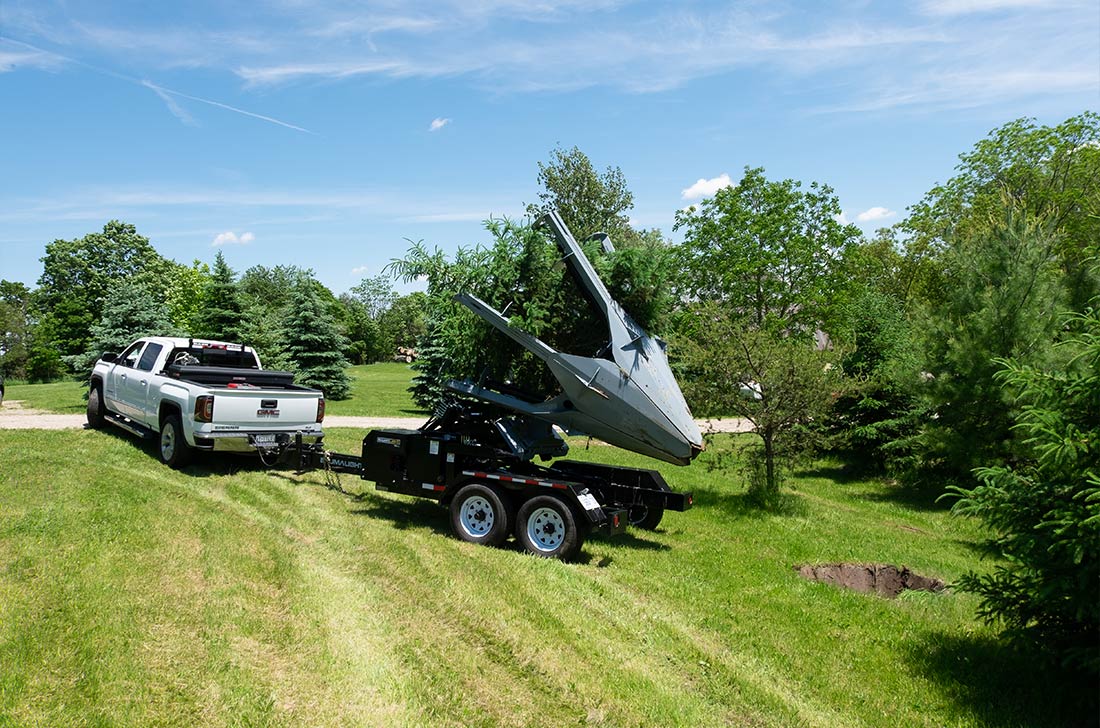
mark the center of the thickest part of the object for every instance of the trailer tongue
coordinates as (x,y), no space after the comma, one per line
(477,455)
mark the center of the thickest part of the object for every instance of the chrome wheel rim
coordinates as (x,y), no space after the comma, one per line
(545,529)
(476,516)
(168,442)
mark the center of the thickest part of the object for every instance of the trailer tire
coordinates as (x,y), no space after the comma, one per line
(172,446)
(481,514)
(547,527)
(95,407)
(646,516)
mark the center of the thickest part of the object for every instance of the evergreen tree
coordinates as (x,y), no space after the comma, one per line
(131,312)
(1044,511)
(1003,298)
(220,318)
(313,342)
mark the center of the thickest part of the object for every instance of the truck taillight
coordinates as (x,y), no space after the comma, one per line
(204,408)
(321,409)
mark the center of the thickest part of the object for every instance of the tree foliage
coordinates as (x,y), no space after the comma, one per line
(1003,298)
(760,263)
(314,344)
(131,312)
(1044,511)
(782,384)
(587,201)
(520,275)
(15,326)
(79,275)
(1047,172)
(222,312)
(767,248)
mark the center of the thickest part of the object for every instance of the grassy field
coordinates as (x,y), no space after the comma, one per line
(131,594)
(378,390)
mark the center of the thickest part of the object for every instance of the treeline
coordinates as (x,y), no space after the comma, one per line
(98,292)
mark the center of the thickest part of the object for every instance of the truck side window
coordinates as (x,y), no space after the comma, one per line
(149,357)
(129,357)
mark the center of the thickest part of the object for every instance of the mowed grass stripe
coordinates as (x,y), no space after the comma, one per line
(131,594)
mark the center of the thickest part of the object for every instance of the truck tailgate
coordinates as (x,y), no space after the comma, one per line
(262,410)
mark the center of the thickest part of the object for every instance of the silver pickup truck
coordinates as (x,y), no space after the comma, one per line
(201,395)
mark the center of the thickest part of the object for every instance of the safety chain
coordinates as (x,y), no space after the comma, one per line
(332,478)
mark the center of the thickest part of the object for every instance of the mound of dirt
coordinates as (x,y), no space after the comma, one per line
(885,580)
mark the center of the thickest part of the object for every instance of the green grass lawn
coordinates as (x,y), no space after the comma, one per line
(131,594)
(378,390)
(66,397)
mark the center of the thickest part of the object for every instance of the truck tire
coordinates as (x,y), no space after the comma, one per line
(547,527)
(481,514)
(173,448)
(95,407)
(646,516)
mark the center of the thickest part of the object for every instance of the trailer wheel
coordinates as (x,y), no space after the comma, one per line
(480,514)
(95,407)
(646,516)
(547,527)
(174,450)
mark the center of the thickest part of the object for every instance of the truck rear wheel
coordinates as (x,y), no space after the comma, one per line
(480,514)
(95,407)
(547,527)
(174,450)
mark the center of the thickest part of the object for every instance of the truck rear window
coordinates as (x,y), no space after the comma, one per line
(212,357)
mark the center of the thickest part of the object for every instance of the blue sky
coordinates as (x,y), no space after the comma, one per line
(325,134)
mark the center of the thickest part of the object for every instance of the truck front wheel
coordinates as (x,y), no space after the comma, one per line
(174,450)
(480,514)
(547,527)
(95,407)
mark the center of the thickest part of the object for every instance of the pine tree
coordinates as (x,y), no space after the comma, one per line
(222,313)
(130,313)
(313,342)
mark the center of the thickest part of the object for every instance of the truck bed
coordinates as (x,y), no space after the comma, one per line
(208,376)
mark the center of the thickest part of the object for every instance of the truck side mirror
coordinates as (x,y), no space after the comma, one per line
(109,356)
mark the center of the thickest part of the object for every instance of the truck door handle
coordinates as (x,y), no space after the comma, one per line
(144,382)
(122,377)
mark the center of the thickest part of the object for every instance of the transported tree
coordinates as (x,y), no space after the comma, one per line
(588,202)
(518,274)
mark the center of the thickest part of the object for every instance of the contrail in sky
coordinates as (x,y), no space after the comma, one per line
(160,91)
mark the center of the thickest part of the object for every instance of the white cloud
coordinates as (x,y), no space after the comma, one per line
(438,123)
(231,238)
(706,187)
(963,7)
(875,213)
(360,270)
(842,218)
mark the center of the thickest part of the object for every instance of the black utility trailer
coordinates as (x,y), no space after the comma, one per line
(477,455)
(480,465)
